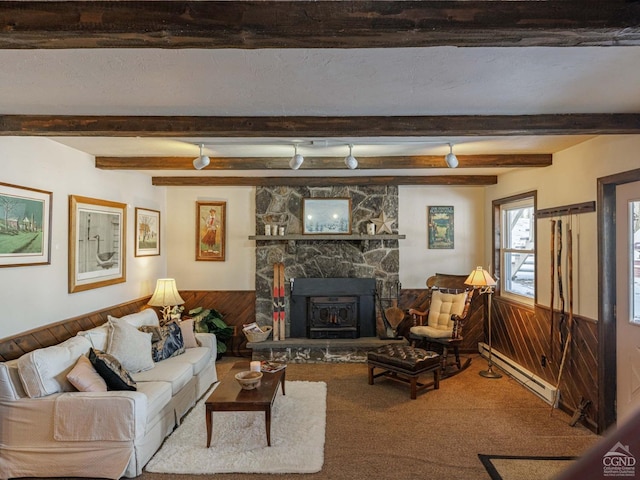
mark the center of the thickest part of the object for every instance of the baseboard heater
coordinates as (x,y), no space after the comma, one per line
(537,385)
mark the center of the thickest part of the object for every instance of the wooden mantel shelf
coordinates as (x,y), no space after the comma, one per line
(357,236)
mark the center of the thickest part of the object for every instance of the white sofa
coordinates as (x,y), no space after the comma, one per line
(49,429)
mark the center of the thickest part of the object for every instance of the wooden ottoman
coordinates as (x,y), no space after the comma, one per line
(405,364)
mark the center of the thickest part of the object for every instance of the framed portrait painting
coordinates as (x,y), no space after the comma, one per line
(211,229)
(147,232)
(25,226)
(97,243)
(440,227)
(325,216)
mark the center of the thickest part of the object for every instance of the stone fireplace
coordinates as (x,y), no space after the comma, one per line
(309,257)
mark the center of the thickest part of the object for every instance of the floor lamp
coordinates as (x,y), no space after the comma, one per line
(481,279)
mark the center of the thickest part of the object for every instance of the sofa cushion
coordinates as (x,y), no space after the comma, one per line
(85,378)
(166,341)
(10,384)
(98,336)
(187,327)
(173,370)
(115,376)
(130,346)
(197,357)
(158,397)
(44,371)
(148,316)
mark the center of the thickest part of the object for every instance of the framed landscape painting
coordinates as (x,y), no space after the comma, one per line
(25,226)
(326,216)
(147,232)
(440,227)
(211,227)
(97,243)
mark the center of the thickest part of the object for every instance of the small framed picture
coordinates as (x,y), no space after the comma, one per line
(440,227)
(97,243)
(25,226)
(211,226)
(147,232)
(322,216)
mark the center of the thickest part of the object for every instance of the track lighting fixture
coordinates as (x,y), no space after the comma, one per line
(451,159)
(202,161)
(297,159)
(350,161)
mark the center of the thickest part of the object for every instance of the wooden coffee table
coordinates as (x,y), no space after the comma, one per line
(230,397)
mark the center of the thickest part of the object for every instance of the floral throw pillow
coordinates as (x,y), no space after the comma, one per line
(166,341)
(109,368)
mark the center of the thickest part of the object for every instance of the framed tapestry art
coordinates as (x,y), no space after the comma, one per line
(211,227)
(147,232)
(440,227)
(25,226)
(326,216)
(97,243)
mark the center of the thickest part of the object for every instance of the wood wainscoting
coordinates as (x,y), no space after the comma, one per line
(523,334)
(54,333)
(238,307)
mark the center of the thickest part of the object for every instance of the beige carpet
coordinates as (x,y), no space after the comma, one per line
(509,467)
(376,432)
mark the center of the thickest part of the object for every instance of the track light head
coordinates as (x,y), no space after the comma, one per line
(202,161)
(296,160)
(451,159)
(350,161)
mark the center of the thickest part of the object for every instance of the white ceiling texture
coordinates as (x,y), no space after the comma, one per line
(321,82)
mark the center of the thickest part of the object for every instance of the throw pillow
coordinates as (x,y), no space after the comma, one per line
(130,346)
(85,378)
(188,333)
(167,341)
(115,376)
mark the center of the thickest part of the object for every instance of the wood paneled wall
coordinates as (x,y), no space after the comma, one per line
(17,345)
(523,334)
(238,307)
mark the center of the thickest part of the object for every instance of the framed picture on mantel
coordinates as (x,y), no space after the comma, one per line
(326,216)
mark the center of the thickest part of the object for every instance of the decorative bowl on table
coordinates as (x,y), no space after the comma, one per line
(249,380)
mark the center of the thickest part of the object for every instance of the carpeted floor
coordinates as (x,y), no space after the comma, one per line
(376,432)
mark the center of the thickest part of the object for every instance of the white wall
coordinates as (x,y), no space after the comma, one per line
(417,261)
(33,296)
(571,179)
(237,272)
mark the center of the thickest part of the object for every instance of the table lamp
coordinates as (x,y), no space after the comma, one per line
(166,296)
(481,279)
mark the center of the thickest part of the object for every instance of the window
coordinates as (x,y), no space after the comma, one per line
(516,247)
(634,221)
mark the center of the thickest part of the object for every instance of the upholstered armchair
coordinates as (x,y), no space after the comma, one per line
(442,324)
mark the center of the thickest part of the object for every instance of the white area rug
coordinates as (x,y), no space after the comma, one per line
(239,442)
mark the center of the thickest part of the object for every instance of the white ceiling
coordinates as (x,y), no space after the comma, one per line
(320,82)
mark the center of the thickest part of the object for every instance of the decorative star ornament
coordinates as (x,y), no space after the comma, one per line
(383,223)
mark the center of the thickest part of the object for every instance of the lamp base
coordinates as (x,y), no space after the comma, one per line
(489,373)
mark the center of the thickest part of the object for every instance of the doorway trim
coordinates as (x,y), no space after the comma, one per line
(607,370)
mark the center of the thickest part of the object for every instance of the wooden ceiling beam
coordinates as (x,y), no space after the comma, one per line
(312,24)
(205,181)
(324,163)
(307,126)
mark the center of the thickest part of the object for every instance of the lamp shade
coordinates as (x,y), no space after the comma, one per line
(480,278)
(166,294)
